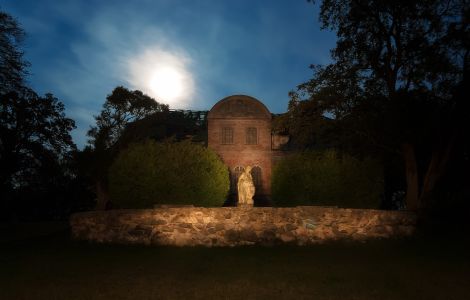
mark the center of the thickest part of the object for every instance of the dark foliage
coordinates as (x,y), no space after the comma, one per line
(167,173)
(121,107)
(35,148)
(131,117)
(392,90)
(37,176)
(12,64)
(327,178)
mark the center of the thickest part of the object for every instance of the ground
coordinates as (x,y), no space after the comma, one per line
(38,261)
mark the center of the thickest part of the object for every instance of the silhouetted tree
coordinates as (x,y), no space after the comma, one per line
(121,108)
(177,125)
(392,84)
(35,142)
(12,64)
(38,172)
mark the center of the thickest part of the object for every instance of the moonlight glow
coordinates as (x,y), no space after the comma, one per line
(167,83)
(162,75)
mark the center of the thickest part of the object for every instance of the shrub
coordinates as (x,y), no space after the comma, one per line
(327,178)
(167,173)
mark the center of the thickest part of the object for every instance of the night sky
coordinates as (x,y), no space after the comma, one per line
(81,50)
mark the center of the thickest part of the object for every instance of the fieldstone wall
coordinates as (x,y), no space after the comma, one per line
(233,226)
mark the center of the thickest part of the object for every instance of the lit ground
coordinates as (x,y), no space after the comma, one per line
(35,264)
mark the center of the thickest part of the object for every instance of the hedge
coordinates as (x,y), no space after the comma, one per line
(327,178)
(167,173)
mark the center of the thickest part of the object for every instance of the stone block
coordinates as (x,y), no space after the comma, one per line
(158,222)
(291,227)
(248,235)
(181,230)
(287,237)
(232,236)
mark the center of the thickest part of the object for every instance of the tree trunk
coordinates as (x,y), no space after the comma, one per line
(436,169)
(412,183)
(102,196)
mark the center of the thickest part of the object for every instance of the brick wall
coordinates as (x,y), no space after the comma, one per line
(241,154)
(240,112)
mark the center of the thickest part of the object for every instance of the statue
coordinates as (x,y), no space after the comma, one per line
(246,188)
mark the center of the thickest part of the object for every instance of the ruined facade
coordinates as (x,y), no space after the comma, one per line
(239,131)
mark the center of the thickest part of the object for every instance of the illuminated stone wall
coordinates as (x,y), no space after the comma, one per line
(232,226)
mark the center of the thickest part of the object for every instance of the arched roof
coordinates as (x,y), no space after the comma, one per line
(239,106)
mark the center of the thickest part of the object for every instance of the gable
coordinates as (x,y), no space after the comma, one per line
(239,106)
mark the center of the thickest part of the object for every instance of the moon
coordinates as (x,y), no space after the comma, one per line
(167,83)
(163,75)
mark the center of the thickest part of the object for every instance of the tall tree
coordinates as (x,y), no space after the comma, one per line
(34,139)
(121,108)
(12,64)
(393,81)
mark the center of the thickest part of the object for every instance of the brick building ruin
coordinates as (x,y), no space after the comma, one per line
(239,131)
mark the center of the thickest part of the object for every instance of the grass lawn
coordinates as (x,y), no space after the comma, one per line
(39,263)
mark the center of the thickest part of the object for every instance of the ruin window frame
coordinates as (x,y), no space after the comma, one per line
(256,173)
(234,175)
(251,136)
(227,136)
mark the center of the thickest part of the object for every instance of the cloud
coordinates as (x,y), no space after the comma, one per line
(82,50)
(128,54)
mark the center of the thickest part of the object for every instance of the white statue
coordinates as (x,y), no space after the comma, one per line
(246,188)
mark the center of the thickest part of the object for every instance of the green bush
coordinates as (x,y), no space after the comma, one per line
(167,173)
(327,178)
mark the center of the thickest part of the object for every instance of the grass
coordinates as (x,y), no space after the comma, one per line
(47,265)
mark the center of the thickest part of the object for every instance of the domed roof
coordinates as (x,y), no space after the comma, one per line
(239,106)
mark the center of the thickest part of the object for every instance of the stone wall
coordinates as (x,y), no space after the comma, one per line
(232,226)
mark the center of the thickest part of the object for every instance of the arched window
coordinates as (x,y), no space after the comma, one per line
(236,172)
(256,174)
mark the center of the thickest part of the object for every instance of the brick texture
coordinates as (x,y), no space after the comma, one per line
(240,112)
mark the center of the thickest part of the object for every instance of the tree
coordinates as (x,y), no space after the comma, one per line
(121,108)
(12,65)
(35,140)
(36,148)
(178,125)
(393,81)
(306,125)
(167,173)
